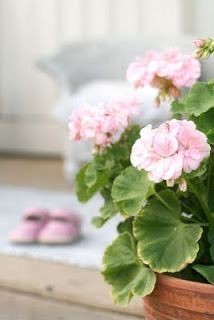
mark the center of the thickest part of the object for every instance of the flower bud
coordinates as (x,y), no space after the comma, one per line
(170,183)
(157,102)
(199,43)
(197,54)
(204,48)
(182,184)
(175,92)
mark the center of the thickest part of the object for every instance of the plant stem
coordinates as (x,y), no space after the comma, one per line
(200,219)
(210,171)
(200,199)
(203,224)
(187,207)
(163,201)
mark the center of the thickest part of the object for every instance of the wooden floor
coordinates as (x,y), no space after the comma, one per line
(38,290)
(40,173)
(60,281)
(19,306)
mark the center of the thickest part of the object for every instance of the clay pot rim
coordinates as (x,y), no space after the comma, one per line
(171,281)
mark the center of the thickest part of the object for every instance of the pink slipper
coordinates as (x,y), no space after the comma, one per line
(34,220)
(63,228)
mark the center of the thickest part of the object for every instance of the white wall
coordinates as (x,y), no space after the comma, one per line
(31,28)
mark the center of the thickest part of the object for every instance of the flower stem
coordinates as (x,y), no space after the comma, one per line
(205,48)
(200,219)
(203,224)
(201,200)
(187,207)
(210,171)
(163,202)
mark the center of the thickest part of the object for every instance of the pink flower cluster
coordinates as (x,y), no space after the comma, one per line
(102,122)
(181,69)
(165,152)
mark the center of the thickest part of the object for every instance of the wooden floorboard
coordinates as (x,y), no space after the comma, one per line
(16,306)
(32,172)
(60,281)
(43,290)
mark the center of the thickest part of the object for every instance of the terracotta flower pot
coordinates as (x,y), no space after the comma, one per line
(176,299)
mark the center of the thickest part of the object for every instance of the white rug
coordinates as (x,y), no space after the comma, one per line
(87,252)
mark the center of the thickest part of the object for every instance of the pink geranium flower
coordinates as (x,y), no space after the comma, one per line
(85,124)
(118,113)
(143,70)
(175,147)
(102,122)
(193,144)
(168,71)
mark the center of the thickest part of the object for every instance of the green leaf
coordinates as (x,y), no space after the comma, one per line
(103,161)
(126,225)
(212,252)
(210,136)
(130,190)
(178,107)
(80,186)
(85,192)
(90,175)
(166,244)
(200,98)
(206,271)
(210,183)
(211,234)
(107,211)
(211,241)
(121,149)
(205,122)
(98,221)
(120,152)
(131,135)
(198,172)
(125,272)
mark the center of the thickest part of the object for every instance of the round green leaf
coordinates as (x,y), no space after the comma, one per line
(90,175)
(177,107)
(86,185)
(210,136)
(204,123)
(206,271)
(200,98)
(130,190)
(211,234)
(126,225)
(198,172)
(212,252)
(124,271)
(107,211)
(211,241)
(166,244)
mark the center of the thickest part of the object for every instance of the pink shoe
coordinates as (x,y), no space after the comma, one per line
(63,227)
(34,220)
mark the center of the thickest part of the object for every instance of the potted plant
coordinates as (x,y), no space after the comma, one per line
(161,181)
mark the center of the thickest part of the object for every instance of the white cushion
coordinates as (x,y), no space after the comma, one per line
(97,92)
